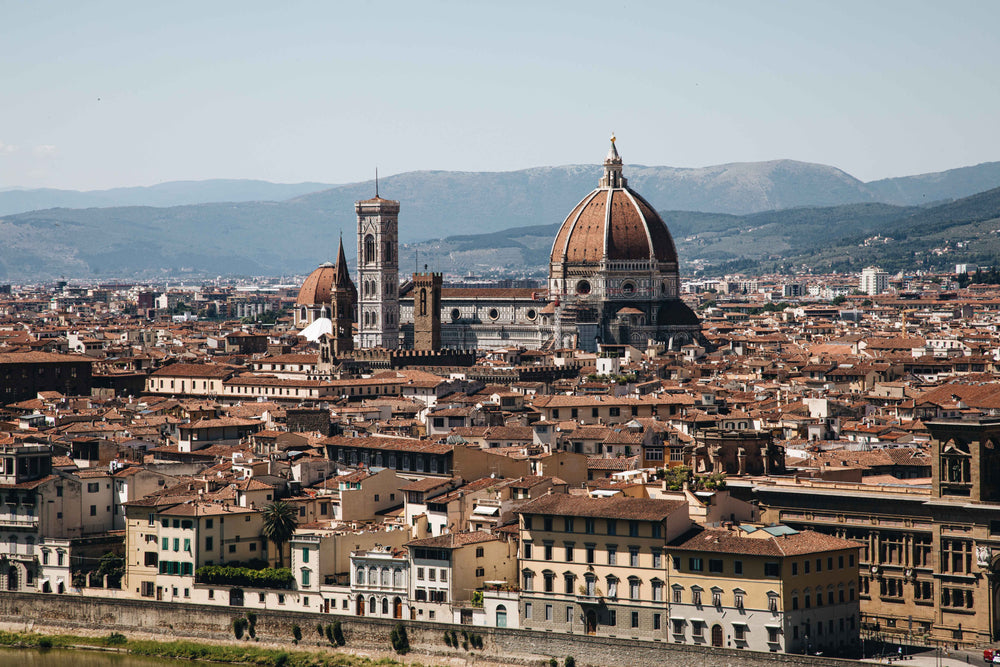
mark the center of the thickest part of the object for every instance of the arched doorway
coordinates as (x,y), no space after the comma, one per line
(385,606)
(397,608)
(501,616)
(717,635)
(359,607)
(591,622)
(12,578)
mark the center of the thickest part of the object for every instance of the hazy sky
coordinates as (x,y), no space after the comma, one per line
(104,94)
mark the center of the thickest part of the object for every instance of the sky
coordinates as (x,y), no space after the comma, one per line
(107,94)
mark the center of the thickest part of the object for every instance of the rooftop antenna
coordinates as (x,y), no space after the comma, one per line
(376,182)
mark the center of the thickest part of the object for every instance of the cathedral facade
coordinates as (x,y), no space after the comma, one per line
(613,279)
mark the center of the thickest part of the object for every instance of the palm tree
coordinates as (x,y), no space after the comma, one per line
(279,524)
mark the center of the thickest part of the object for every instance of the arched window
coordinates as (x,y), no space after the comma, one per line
(372,579)
(385,606)
(361,575)
(423,301)
(397,578)
(371,605)
(369,254)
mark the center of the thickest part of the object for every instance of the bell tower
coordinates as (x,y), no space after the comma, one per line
(378,272)
(343,304)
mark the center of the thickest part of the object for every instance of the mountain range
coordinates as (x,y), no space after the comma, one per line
(727,216)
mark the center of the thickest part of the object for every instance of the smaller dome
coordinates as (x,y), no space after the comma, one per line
(318,286)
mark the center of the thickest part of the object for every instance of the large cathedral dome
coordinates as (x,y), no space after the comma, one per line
(613,223)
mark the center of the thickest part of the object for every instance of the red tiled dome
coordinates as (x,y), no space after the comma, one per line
(317,287)
(613,222)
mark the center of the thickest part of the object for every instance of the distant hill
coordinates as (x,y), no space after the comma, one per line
(928,188)
(174,193)
(729,216)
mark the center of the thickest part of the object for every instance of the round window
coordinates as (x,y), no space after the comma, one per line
(531,314)
(455,314)
(494,313)
(583,287)
(628,288)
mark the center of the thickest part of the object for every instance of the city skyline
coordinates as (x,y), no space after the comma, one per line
(114,95)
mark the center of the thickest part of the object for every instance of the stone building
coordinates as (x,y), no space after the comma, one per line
(930,556)
(378,272)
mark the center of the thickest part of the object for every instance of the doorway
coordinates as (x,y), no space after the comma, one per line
(717,635)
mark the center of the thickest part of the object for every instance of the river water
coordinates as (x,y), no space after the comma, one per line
(12,657)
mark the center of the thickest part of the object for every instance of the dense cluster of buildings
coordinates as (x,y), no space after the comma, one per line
(779,474)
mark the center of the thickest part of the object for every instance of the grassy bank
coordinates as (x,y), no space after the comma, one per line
(241,654)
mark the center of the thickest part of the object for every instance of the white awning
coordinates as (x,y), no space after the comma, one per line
(488,511)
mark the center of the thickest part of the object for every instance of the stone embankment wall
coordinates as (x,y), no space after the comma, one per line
(62,613)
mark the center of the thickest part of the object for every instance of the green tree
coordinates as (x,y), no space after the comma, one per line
(676,476)
(837,300)
(279,525)
(400,642)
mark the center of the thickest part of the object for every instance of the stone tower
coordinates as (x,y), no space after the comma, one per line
(378,272)
(426,311)
(343,305)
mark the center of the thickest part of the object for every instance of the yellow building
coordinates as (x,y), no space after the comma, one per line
(764,588)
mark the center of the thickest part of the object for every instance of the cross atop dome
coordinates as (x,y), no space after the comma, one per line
(613,169)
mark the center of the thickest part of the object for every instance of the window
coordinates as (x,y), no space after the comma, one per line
(305,555)
(612,617)
(695,564)
(93,487)
(678,624)
(657,530)
(232,548)
(93,510)
(696,596)
(547,523)
(568,524)
(612,587)
(527,549)
(677,593)
(772,634)
(633,556)
(177,544)
(697,629)
(305,577)
(738,567)
(795,569)
(527,610)
(715,565)
(657,558)
(657,621)
(633,588)
(568,584)
(590,550)
(633,529)
(771,569)
(569,614)
(479,552)
(612,554)
(738,599)
(635,619)
(657,591)
(612,527)
(187,544)
(569,552)
(549,578)
(480,572)
(548,612)
(739,632)
(588,526)
(716,597)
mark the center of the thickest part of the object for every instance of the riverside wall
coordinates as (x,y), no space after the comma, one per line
(62,613)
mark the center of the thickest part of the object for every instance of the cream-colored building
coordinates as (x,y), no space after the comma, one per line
(166,544)
(597,565)
(445,570)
